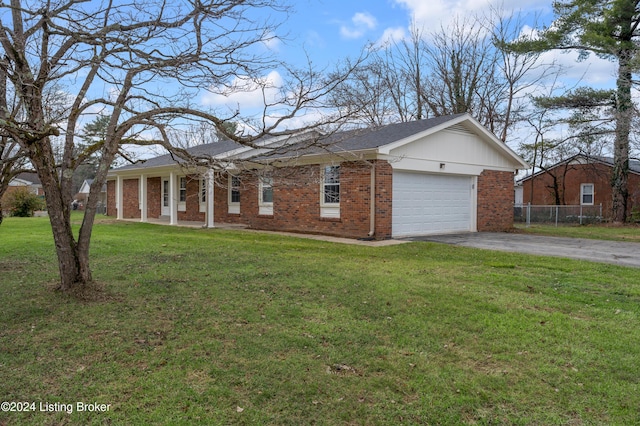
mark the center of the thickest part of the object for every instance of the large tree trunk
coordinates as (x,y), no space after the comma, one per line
(619,179)
(73,265)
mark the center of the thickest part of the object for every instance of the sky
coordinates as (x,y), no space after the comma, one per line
(328,31)
(331,29)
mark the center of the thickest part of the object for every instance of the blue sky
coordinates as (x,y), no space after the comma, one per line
(335,28)
(330,30)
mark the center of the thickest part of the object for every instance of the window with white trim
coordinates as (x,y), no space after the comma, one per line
(586,194)
(331,185)
(234,190)
(330,192)
(265,196)
(203,196)
(203,190)
(165,193)
(234,194)
(183,189)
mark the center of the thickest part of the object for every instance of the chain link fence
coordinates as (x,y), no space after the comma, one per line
(583,215)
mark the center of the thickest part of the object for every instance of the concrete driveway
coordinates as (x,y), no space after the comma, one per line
(618,253)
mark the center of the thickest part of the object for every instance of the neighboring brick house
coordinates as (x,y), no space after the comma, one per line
(31,181)
(579,180)
(440,175)
(24,180)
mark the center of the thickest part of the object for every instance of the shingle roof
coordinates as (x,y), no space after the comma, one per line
(359,139)
(634,165)
(210,149)
(29,177)
(351,140)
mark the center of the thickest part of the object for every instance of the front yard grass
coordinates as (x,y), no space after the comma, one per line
(627,232)
(236,327)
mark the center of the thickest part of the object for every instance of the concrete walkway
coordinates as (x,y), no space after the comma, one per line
(615,252)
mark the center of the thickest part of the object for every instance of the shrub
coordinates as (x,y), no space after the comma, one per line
(22,202)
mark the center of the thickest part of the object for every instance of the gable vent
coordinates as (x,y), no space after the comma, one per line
(459,128)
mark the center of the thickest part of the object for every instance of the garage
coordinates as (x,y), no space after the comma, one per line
(432,204)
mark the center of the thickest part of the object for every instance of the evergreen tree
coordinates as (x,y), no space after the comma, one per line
(608,29)
(92,133)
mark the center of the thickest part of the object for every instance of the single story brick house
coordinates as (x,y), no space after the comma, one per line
(579,180)
(28,180)
(440,175)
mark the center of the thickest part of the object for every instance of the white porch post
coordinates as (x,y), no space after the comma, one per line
(173,200)
(119,203)
(210,199)
(143,198)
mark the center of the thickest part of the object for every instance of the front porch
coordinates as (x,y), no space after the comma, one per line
(166,198)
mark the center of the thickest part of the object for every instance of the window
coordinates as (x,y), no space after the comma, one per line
(183,189)
(234,189)
(203,190)
(586,194)
(266,190)
(330,193)
(203,196)
(165,193)
(265,195)
(234,195)
(331,185)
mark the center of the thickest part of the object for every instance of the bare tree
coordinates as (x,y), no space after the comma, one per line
(143,62)
(465,67)
(462,62)
(13,161)
(472,69)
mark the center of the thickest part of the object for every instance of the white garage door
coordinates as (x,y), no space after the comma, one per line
(431,204)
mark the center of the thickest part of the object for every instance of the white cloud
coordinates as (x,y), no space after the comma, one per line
(392,35)
(361,23)
(436,14)
(245,93)
(592,71)
(272,42)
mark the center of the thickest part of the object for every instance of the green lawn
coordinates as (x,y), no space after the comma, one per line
(629,233)
(233,327)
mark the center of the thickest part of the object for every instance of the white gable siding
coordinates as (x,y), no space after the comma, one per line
(453,146)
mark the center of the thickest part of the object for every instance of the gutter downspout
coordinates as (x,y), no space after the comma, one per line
(372,213)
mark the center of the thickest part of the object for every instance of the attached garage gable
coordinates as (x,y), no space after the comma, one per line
(426,203)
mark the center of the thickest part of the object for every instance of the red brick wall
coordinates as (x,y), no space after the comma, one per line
(495,201)
(154,197)
(130,200)
(570,177)
(384,199)
(192,212)
(221,205)
(296,207)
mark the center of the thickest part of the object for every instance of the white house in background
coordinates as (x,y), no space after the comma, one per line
(83,195)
